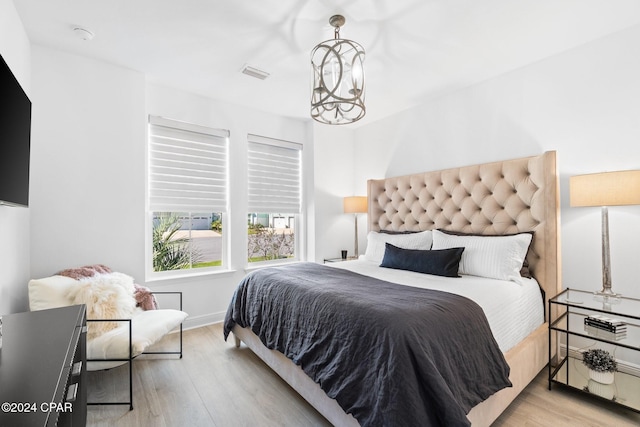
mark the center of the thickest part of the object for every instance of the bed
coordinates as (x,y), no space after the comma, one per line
(513,197)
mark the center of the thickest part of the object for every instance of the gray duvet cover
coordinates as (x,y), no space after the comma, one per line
(391,355)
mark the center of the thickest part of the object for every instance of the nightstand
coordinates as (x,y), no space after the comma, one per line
(327,260)
(568,311)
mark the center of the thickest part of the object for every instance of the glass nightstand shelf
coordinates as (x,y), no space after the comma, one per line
(568,311)
(351,258)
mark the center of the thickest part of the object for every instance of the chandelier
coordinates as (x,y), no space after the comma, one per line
(337,96)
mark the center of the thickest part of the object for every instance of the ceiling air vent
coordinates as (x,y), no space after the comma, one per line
(254,72)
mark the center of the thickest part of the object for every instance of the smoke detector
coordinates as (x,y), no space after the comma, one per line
(83,33)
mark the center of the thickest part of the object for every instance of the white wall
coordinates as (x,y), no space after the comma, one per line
(88,164)
(334,179)
(14,221)
(584,103)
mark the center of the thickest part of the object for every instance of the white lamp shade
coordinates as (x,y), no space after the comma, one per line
(605,189)
(355,204)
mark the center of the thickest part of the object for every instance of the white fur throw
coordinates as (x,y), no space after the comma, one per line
(107,296)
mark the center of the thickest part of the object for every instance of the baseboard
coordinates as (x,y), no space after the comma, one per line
(203,320)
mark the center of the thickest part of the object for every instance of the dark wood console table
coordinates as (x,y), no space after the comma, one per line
(43,368)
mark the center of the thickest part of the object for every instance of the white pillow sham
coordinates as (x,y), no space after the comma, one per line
(376,243)
(495,257)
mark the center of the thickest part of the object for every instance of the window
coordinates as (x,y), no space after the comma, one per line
(183,240)
(274,199)
(187,185)
(271,236)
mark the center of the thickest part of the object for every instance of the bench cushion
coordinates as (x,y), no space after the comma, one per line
(147,329)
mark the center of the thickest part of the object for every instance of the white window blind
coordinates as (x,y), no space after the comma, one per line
(187,167)
(275,169)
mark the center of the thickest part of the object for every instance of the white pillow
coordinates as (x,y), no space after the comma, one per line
(495,257)
(376,243)
(50,292)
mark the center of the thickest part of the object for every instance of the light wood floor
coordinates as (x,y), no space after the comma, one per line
(216,384)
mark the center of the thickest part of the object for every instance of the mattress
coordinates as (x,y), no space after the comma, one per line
(513,310)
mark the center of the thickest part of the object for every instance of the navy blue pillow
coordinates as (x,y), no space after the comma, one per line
(439,262)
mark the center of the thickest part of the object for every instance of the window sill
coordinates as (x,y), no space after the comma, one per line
(155,277)
(252,267)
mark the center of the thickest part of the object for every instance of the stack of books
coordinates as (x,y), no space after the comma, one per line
(605,327)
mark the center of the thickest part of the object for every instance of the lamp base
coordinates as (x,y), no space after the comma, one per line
(607,298)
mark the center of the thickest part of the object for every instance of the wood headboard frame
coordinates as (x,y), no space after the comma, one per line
(493,198)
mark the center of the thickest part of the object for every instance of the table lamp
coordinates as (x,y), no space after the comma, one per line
(605,189)
(355,205)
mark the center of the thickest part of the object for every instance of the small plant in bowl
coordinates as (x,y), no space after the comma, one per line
(601,365)
(599,360)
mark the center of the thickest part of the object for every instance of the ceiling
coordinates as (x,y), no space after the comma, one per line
(415,48)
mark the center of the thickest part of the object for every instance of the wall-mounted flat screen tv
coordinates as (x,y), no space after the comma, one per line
(15,139)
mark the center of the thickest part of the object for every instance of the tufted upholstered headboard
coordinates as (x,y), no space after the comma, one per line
(492,198)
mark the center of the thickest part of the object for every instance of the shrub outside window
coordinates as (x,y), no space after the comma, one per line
(183,240)
(271,236)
